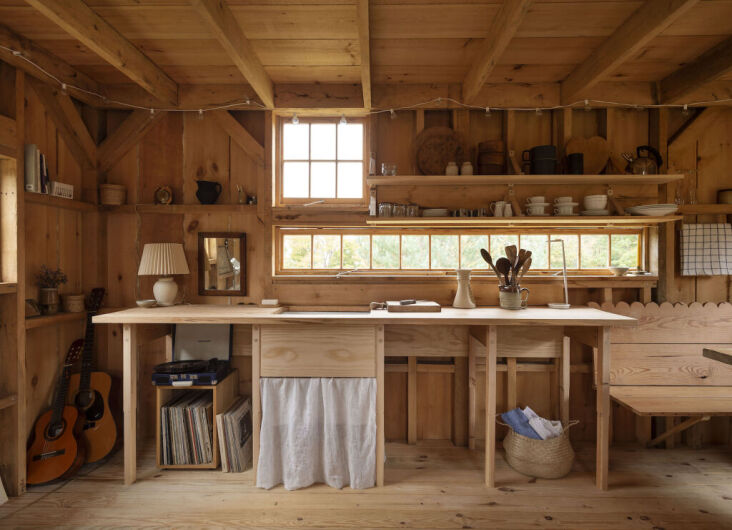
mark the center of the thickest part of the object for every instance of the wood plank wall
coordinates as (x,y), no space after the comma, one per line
(103,248)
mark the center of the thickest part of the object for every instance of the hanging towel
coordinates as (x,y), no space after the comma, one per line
(519,423)
(706,249)
(317,430)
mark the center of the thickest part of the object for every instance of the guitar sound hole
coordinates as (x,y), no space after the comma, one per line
(91,403)
(54,430)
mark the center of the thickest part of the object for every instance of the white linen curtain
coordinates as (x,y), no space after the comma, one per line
(317,430)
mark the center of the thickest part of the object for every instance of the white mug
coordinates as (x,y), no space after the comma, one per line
(536,210)
(560,200)
(497,208)
(507,210)
(535,199)
(563,210)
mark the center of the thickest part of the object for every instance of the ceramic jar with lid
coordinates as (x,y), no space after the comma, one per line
(451,169)
(466,168)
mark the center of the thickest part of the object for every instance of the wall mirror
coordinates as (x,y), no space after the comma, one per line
(222,263)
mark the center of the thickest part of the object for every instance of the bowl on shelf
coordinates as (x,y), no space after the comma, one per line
(619,271)
(653,209)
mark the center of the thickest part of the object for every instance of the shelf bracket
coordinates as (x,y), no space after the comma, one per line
(511,197)
(614,202)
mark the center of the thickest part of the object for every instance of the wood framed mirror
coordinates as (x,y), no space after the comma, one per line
(222,267)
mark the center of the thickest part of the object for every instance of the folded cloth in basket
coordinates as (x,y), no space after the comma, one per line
(518,421)
(543,427)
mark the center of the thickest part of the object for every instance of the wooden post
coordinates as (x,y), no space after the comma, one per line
(564,379)
(490,404)
(472,390)
(412,400)
(460,403)
(256,397)
(380,405)
(511,383)
(129,390)
(603,408)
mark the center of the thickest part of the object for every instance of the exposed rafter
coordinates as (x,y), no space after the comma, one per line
(647,22)
(365,45)
(124,138)
(240,135)
(224,26)
(79,21)
(710,65)
(49,62)
(503,28)
(68,123)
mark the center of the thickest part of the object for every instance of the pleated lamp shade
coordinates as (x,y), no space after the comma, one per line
(163,259)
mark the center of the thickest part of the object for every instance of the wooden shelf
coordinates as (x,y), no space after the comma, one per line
(617,220)
(8,400)
(50,200)
(8,287)
(702,209)
(180,208)
(61,318)
(502,180)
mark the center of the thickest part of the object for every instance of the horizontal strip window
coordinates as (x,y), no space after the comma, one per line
(400,251)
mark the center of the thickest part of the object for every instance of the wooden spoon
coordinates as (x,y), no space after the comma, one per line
(504,267)
(487,258)
(524,269)
(512,254)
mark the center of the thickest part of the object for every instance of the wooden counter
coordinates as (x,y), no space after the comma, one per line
(279,334)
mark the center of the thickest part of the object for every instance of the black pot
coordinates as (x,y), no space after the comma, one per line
(208,191)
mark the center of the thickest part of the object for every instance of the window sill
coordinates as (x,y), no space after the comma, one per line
(573,282)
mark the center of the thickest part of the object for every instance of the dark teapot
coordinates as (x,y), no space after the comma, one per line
(644,165)
(208,191)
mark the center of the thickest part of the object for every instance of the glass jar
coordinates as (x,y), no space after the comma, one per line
(400,210)
(386,209)
(412,210)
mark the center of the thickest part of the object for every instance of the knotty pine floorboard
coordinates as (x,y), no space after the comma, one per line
(431,485)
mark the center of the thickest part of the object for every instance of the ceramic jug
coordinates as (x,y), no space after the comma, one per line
(464,295)
(208,191)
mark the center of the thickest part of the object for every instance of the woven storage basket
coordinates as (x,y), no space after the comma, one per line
(550,458)
(112,194)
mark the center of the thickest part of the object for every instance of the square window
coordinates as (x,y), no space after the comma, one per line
(385,252)
(415,252)
(296,252)
(571,251)
(327,252)
(624,250)
(594,251)
(356,252)
(470,246)
(444,253)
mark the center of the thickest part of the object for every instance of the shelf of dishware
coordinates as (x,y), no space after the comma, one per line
(704,209)
(547,221)
(59,202)
(8,287)
(8,400)
(502,180)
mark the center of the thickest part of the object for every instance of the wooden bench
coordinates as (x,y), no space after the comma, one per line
(658,368)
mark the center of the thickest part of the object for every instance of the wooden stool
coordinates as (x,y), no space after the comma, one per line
(518,345)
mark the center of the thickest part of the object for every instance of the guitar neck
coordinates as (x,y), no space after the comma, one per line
(87,359)
(60,398)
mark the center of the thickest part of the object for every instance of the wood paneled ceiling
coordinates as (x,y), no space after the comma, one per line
(411,41)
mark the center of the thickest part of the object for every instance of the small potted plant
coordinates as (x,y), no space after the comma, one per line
(48,281)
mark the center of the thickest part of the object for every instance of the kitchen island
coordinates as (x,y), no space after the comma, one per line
(351,344)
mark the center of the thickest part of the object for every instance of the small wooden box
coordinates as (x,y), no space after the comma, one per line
(224,395)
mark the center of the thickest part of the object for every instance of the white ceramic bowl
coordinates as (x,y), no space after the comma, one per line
(619,271)
(595,202)
(146,303)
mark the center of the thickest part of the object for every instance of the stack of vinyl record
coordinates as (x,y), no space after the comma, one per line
(235,436)
(186,429)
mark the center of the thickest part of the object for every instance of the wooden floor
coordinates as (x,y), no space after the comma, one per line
(428,486)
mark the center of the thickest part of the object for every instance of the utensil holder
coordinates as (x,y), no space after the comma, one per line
(512,297)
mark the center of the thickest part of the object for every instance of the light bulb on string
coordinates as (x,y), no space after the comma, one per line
(587,105)
(392,114)
(538,111)
(64,90)
(200,114)
(685,110)
(487,112)
(343,120)
(295,119)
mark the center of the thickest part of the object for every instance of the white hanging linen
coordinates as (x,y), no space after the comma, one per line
(317,430)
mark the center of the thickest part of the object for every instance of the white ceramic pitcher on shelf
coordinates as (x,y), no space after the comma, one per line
(464,295)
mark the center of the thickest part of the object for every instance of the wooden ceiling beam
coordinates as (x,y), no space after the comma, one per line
(32,53)
(503,27)
(709,66)
(646,23)
(224,26)
(68,122)
(240,135)
(364,40)
(124,138)
(79,21)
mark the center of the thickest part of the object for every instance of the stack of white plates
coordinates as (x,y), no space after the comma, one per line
(436,212)
(653,209)
(596,213)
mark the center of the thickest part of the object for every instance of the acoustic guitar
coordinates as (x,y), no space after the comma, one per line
(89,392)
(54,452)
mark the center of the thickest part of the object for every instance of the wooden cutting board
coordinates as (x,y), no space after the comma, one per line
(595,152)
(422,306)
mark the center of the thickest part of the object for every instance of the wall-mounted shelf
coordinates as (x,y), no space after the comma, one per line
(703,209)
(8,400)
(61,318)
(8,287)
(579,220)
(180,208)
(50,200)
(502,180)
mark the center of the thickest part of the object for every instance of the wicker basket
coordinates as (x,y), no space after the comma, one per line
(73,303)
(550,458)
(112,194)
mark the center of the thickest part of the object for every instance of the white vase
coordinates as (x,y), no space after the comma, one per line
(464,295)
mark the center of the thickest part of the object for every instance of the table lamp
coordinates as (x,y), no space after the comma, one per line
(164,260)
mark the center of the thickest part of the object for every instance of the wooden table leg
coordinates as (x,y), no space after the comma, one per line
(380,406)
(256,397)
(129,376)
(490,405)
(603,408)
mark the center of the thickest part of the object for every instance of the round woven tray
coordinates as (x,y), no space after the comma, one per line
(436,147)
(550,458)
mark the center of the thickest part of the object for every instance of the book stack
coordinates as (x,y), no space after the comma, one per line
(235,436)
(36,170)
(186,429)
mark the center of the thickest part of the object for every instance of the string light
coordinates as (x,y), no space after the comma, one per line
(200,114)
(295,119)
(343,119)
(63,88)
(247,102)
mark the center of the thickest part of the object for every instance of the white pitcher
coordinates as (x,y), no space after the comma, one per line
(464,294)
